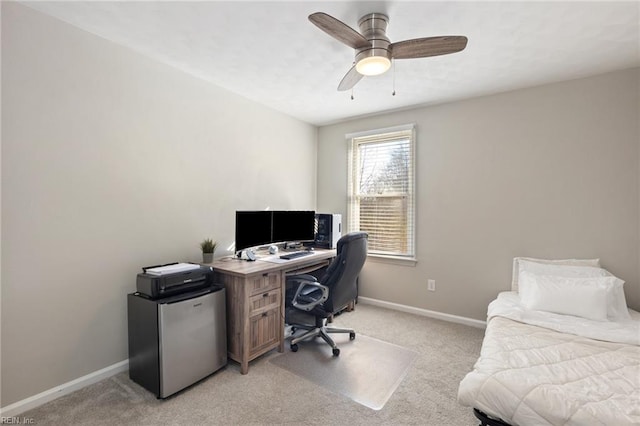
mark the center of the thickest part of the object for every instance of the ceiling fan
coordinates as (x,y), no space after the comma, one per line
(374,50)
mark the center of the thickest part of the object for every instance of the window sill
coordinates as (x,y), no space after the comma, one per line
(394,260)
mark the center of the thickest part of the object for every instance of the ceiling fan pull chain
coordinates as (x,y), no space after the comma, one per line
(352,93)
(393,71)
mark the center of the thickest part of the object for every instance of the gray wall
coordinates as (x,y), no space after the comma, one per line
(547,172)
(110,162)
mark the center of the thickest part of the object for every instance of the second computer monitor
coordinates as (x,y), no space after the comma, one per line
(293,226)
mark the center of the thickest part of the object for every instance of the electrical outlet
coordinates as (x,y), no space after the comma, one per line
(431,285)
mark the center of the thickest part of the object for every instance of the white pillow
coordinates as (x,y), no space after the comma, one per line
(569,262)
(584,297)
(616,303)
(561,270)
(617,309)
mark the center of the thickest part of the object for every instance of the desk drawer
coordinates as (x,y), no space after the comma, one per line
(264,302)
(263,282)
(264,332)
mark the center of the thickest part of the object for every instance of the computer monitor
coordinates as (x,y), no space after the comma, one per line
(253,228)
(293,226)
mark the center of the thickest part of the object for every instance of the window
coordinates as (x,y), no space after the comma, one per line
(381,189)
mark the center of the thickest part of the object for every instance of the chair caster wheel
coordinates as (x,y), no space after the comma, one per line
(294,348)
(352,336)
(336,352)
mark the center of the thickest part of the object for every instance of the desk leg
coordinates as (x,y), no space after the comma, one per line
(283,286)
(246,336)
(349,307)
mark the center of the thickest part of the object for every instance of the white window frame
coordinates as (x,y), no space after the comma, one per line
(353,209)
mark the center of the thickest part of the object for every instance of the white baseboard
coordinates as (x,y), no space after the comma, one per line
(49,395)
(423,312)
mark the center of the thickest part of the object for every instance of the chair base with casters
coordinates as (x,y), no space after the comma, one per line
(319,330)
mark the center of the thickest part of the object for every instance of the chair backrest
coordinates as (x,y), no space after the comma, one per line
(343,272)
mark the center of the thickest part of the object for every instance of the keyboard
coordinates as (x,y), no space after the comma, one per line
(295,254)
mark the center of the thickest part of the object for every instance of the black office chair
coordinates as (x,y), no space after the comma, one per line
(309,301)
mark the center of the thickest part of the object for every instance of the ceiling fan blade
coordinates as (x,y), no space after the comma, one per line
(350,79)
(339,30)
(428,46)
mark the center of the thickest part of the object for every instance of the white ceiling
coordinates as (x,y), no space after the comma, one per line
(269,52)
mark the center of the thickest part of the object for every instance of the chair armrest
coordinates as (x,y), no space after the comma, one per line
(300,277)
(315,302)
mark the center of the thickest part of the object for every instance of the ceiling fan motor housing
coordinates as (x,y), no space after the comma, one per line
(373,27)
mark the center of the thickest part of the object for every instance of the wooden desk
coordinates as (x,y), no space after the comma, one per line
(255,301)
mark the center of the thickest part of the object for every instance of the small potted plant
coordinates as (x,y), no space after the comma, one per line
(208,246)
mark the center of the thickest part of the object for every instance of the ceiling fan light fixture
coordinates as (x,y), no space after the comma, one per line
(374,50)
(373,65)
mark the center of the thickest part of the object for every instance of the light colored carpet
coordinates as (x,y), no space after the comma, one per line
(368,370)
(272,395)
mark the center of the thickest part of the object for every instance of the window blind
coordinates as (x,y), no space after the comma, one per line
(381,190)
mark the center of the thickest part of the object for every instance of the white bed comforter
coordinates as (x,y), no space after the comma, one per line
(539,369)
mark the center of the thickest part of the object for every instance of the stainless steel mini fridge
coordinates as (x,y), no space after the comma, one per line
(176,341)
